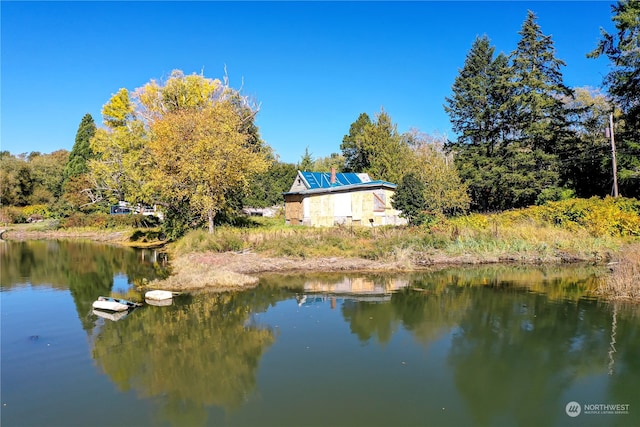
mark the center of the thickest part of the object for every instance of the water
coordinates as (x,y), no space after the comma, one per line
(478,346)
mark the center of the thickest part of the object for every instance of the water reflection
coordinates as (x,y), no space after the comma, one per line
(508,343)
(87,269)
(201,352)
(497,345)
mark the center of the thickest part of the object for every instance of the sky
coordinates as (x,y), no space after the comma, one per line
(313,67)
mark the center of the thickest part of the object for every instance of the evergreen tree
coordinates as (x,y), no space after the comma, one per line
(540,125)
(81,152)
(478,113)
(510,119)
(376,148)
(353,145)
(306,162)
(409,198)
(472,112)
(623,83)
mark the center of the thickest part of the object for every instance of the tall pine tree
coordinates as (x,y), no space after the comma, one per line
(540,118)
(81,152)
(478,114)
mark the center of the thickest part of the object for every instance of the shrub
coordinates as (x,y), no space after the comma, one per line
(12,215)
(41,210)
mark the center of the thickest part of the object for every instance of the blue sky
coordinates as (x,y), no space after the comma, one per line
(312,66)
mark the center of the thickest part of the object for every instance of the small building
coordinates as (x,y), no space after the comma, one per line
(328,198)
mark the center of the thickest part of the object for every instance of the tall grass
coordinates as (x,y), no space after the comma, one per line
(590,229)
(624,282)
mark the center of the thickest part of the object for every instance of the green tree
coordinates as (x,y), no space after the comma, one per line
(409,198)
(16,184)
(511,121)
(476,99)
(306,161)
(623,84)
(376,148)
(479,115)
(540,124)
(81,152)
(47,175)
(354,147)
(266,188)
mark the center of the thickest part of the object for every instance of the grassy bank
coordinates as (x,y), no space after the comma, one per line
(592,230)
(577,229)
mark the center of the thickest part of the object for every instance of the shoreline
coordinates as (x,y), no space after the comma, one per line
(227,271)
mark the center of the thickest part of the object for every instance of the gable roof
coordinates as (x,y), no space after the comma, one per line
(314,180)
(320,182)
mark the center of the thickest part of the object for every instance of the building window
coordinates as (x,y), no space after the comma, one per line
(379,201)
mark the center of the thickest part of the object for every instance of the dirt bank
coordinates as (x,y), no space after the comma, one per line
(231,270)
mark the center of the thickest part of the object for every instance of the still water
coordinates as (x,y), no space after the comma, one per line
(490,346)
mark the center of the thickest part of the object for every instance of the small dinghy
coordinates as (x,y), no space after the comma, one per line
(158,295)
(114,304)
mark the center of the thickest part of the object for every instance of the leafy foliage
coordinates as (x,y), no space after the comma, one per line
(409,198)
(189,143)
(623,83)
(266,188)
(376,148)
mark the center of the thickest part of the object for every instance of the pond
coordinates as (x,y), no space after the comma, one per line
(481,346)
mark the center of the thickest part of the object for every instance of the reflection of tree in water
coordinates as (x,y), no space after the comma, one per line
(190,355)
(519,340)
(516,354)
(370,319)
(86,269)
(624,363)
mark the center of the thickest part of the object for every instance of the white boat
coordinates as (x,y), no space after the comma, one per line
(158,295)
(114,304)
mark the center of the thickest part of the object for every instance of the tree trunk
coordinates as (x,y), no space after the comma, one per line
(211,216)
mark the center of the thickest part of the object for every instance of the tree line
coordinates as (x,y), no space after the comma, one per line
(522,137)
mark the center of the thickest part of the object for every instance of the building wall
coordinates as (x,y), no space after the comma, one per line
(367,207)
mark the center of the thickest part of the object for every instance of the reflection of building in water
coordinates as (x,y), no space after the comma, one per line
(358,288)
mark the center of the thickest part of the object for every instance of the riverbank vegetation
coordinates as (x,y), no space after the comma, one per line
(575,229)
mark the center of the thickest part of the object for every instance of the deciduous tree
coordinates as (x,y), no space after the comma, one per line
(201,142)
(122,160)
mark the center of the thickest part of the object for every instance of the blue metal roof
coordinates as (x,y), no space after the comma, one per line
(323,179)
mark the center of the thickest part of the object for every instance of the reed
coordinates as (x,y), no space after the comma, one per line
(624,280)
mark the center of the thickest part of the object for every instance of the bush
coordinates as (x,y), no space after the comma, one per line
(41,210)
(12,215)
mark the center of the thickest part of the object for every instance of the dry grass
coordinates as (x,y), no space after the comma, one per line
(624,280)
(190,274)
